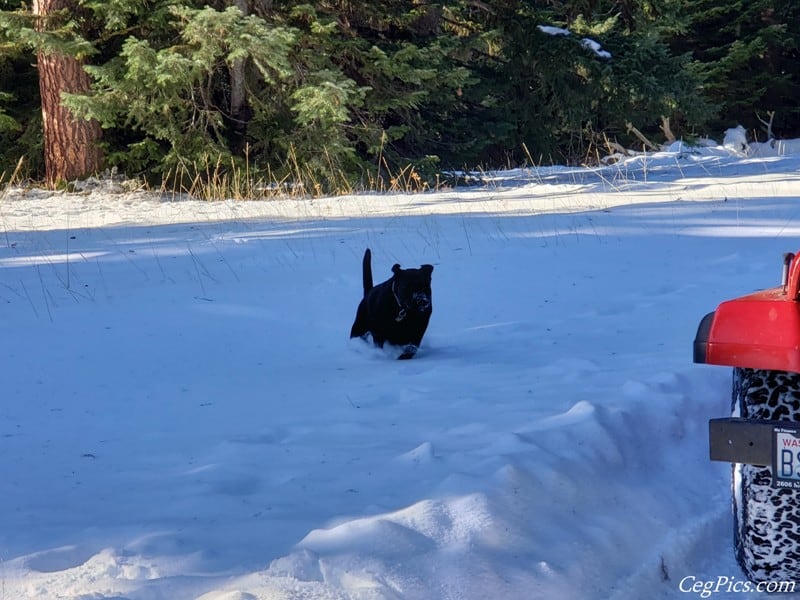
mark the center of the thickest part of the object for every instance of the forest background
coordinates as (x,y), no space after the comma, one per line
(342,95)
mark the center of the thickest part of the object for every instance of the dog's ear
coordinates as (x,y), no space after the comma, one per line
(396,269)
(427,269)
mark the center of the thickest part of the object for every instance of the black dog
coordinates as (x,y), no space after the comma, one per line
(396,311)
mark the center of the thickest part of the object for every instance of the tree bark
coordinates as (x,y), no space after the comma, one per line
(238,91)
(71,147)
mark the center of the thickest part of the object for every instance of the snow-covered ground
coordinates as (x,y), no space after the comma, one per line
(183,415)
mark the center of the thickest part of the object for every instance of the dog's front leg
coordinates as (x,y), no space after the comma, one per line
(360,327)
(408,352)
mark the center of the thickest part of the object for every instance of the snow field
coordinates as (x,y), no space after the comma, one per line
(184,416)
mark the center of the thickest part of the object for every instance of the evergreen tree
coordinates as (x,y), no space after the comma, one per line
(342,93)
(20,108)
(385,74)
(333,91)
(748,52)
(651,85)
(552,98)
(71,145)
(166,92)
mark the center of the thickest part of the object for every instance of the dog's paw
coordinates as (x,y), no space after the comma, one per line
(408,352)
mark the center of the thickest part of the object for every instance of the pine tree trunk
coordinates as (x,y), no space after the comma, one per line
(71,147)
(238,92)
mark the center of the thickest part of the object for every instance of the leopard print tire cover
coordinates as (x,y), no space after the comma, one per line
(766,520)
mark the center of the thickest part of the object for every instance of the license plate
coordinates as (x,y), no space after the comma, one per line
(786,457)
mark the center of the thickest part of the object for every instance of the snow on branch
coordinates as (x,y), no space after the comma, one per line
(549,30)
(587,43)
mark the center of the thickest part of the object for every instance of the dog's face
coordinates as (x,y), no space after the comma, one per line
(412,287)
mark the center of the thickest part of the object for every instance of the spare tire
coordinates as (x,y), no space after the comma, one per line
(766,520)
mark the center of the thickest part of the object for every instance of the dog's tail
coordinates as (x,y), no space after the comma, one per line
(366,267)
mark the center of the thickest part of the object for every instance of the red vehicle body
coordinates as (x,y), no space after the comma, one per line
(757,331)
(759,336)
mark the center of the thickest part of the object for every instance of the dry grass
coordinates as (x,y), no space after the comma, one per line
(224,178)
(17,176)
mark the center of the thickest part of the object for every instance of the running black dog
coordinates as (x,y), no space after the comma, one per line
(396,311)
